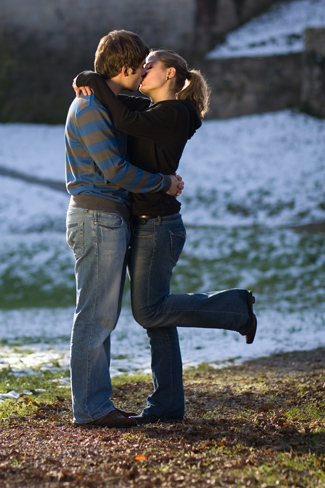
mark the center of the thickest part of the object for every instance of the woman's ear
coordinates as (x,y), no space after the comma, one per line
(171,72)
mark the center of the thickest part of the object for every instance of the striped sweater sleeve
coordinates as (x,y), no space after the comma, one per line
(91,138)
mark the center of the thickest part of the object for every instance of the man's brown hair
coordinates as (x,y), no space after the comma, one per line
(117,49)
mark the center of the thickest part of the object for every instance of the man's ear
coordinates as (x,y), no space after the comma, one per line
(125,71)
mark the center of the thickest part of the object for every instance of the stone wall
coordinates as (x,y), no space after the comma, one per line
(313,73)
(183,25)
(214,18)
(63,24)
(44,44)
(242,86)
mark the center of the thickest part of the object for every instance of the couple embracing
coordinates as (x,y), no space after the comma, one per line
(122,155)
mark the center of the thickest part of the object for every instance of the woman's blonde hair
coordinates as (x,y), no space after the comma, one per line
(189,84)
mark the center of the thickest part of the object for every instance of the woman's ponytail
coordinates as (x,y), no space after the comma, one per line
(197,91)
(189,85)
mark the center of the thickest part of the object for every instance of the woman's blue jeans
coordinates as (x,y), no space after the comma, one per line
(99,242)
(155,249)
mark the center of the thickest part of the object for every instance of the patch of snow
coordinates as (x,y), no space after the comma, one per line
(280,30)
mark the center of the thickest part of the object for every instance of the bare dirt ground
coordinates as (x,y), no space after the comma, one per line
(258,424)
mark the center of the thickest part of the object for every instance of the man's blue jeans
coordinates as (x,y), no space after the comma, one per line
(99,241)
(155,249)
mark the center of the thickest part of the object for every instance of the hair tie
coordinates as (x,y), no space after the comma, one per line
(188,75)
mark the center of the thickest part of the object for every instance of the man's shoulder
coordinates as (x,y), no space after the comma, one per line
(88,103)
(88,109)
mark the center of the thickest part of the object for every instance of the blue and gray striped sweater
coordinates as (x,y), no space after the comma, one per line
(96,161)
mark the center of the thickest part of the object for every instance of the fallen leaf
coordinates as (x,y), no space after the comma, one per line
(141,457)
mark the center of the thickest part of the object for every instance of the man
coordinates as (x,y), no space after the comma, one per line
(100,179)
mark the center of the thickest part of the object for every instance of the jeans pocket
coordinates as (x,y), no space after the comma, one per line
(75,238)
(108,220)
(177,242)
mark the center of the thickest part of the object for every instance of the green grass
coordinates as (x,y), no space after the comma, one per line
(273,262)
(49,381)
(35,290)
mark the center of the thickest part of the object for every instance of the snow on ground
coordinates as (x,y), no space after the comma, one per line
(244,171)
(280,30)
(130,351)
(252,169)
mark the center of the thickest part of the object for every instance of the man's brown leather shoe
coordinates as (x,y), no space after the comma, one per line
(124,413)
(112,419)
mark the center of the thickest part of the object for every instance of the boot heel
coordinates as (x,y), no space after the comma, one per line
(250,336)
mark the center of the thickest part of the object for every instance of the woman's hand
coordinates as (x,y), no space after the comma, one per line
(180,185)
(85,90)
(177,185)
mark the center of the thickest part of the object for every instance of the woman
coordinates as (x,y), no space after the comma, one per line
(158,131)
